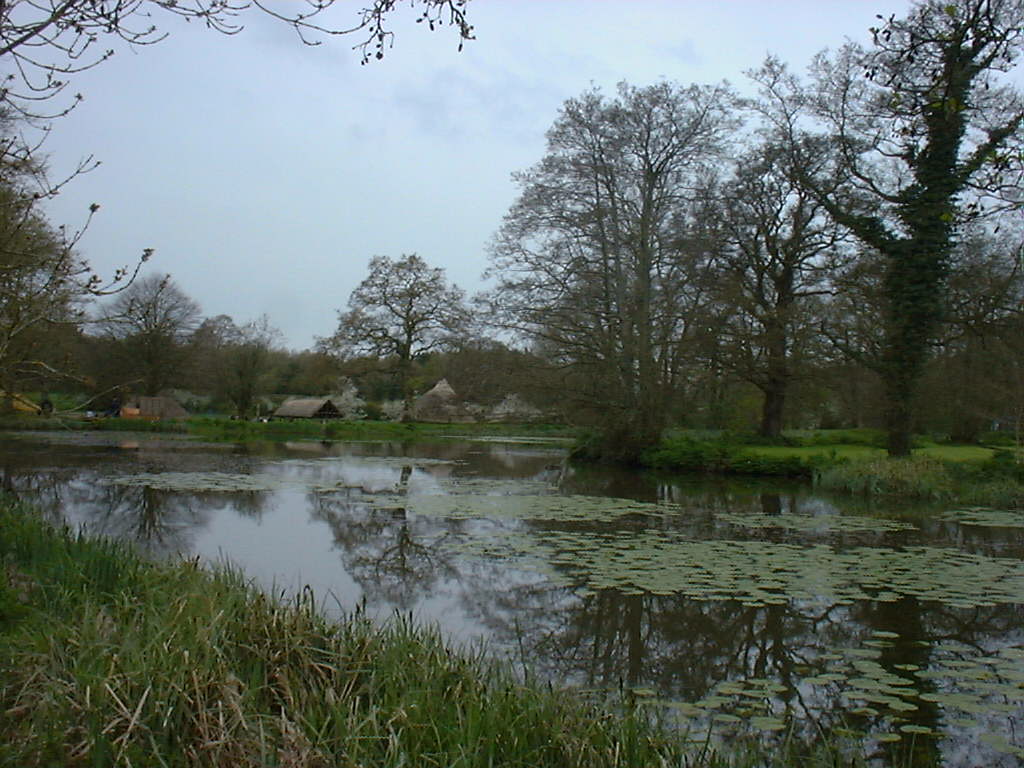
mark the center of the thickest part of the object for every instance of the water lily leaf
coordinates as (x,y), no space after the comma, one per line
(917,729)
(764,723)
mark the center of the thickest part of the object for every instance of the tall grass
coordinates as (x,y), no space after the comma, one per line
(110,660)
(997,482)
(915,477)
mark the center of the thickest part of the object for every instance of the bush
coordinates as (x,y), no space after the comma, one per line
(687,455)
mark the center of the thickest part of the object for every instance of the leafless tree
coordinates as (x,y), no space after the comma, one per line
(44,283)
(781,248)
(152,319)
(247,360)
(597,261)
(45,43)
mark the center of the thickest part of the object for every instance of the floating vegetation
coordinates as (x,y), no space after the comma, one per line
(554,442)
(815,523)
(961,685)
(526,507)
(988,518)
(899,705)
(489,486)
(203,481)
(378,461)
(757,573)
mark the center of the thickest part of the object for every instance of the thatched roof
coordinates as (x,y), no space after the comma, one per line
(440,403)
(158,407)
(442,391)
(308,408)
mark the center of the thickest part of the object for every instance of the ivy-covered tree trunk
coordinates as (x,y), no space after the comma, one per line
(914,290)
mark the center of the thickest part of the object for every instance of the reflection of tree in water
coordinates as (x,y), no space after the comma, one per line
(46,491)
(394,559)
(252,504)
(160,522)
(683,648)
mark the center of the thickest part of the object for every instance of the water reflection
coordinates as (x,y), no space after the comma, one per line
(394,560)
(354,520)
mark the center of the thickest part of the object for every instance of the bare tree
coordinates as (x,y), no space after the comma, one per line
(781,248)
(152,319)
(247,360)
(44,283)
(45,43)
(597,262)
(404,309)
(925,134)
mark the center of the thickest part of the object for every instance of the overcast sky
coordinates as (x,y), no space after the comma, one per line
(265,174)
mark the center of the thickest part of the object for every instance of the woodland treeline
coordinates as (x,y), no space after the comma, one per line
(843,248)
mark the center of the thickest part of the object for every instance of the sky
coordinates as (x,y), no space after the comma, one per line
(265,174)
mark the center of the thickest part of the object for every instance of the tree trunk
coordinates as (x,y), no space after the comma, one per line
(899,414)
(773,410)
(914,287)
(777,374)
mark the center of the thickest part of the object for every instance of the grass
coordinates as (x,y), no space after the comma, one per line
(230,430)
(854,461)
(110,660)
(997,481)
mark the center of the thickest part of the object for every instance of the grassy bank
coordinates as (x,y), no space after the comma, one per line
(240,431)
(994,482)
(854,461)
(229,430)
(107,659)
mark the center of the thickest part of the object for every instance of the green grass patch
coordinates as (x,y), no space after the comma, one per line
(825,452)
(231,430)
(956,452)
(963,474)
(683,454)
(241,431)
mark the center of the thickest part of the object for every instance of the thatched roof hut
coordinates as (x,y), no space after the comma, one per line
(440,403)
(308,408)
(158,407)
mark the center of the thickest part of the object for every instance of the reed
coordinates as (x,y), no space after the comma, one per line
(111,660)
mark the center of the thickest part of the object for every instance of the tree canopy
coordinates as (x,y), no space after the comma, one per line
(403,309)
(920,133)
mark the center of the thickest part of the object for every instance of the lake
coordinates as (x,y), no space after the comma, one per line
(740,608)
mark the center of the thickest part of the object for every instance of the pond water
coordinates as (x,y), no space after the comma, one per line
(738,609)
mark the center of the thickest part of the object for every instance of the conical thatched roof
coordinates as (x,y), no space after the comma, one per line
(442,390)
(440,403)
